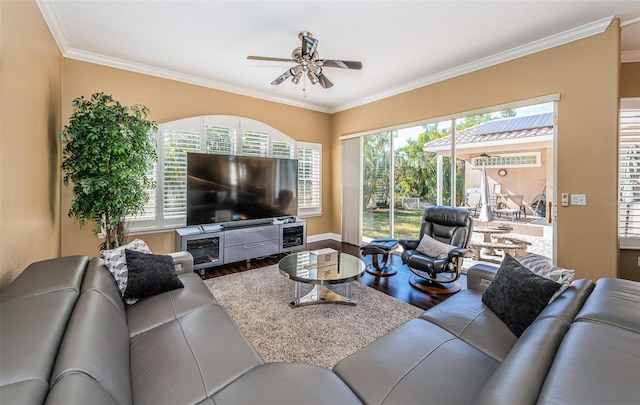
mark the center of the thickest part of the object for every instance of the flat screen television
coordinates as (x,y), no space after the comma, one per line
(224,189)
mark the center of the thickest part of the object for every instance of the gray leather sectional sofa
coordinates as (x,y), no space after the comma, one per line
(67,338)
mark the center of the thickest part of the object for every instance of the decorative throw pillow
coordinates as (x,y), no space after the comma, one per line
(117,261)
(543,266)
(517,295)
(433,247)
(149,275)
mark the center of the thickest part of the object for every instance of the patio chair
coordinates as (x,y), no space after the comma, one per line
(513,206)
(473,203)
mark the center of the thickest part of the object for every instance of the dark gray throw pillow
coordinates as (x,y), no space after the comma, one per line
(517,295)
(150,274)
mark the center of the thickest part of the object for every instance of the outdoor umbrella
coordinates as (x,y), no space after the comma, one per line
(486,215)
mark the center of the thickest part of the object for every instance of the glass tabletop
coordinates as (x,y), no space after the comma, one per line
(324,266)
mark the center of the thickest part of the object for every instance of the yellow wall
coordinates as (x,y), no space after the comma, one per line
(170,100)
(586,74)
(29,142)
(630,80)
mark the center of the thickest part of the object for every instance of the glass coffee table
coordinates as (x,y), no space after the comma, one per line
(321,268)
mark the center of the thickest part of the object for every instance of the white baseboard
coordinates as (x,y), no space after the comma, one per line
(324,236)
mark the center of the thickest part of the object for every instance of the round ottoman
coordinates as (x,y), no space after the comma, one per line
(376,248)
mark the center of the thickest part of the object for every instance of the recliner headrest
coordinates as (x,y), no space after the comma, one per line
(449,216)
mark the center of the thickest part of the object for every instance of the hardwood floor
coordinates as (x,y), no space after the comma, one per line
(396,286)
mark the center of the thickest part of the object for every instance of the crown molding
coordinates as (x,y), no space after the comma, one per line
(584,31)
(53,22)
(186,78)
(630,56)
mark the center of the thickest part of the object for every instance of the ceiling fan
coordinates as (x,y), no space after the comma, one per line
(308,62)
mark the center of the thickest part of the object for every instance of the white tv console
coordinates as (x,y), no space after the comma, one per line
(214,245)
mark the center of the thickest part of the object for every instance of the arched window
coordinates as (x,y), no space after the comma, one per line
(228,135)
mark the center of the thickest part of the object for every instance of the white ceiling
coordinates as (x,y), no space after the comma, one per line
(402,44)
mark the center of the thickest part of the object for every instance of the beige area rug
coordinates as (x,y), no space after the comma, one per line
(258,300)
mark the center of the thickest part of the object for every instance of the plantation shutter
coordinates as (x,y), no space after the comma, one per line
(629,173)
(255,143)
(220,140)
(147,217)
(176,146)
(281,150)
(309,178)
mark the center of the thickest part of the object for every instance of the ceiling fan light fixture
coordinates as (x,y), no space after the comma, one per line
(296,78)
(312,76)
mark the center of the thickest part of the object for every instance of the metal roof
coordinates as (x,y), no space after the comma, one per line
(516,124)
(501,130)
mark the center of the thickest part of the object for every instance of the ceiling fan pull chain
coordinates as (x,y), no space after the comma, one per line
(304,86)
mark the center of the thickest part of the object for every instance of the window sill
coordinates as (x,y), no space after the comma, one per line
(629,243)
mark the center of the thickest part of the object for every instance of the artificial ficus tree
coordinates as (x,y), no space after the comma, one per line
(108,151)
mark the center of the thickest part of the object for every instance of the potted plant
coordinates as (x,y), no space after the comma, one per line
(108,151)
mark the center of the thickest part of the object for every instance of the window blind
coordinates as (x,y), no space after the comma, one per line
(176,146)
(281,150)
(629,170)
(255,143)
(309,176)
(220,140)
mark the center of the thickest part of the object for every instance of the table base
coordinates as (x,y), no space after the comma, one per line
(320,294)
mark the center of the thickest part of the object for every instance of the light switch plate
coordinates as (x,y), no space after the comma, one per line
(578,199)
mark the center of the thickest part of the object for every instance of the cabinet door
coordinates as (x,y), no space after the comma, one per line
(251,250)
(207,251)
(252,234)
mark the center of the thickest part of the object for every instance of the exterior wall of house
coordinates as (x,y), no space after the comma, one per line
(586,74)
(527,181)
(29,145)
(170,100)
(630,88)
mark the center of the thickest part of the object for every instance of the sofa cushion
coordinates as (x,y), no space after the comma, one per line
(517,295)
(264,385)
(63,273)
(190,358)
(520,377)
(468,318)
(154,311)
(96,344)
(543,266)
(116,261)
(77,388)
(31,332)
(149,275)
(99,278)
(416,362)
(614,302)
(595,364)
(567,305)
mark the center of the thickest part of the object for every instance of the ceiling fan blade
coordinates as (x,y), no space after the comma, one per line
(342,64)
(283,77)
(267,58)
(324,82)
(309,46)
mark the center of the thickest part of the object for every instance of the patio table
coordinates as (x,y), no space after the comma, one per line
(487,232)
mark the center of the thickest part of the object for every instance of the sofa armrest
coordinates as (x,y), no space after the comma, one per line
(479,276)
(183,262)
